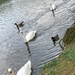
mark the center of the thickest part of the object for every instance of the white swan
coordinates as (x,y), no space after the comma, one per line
(25,70)
(52,7)
(29,36)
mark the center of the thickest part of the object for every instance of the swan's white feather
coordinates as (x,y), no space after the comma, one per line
(52,7)
(26,69)
(30,35)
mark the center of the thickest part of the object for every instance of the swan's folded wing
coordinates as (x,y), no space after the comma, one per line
(22,71)
(30,36)
(26,69)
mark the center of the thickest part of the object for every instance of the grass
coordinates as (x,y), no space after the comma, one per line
(2,1)
(65,63)
(69,54)
(69,36)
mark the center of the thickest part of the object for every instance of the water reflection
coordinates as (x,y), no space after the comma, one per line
(53,13)
(28,48)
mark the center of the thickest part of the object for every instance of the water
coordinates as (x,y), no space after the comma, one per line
(36,16)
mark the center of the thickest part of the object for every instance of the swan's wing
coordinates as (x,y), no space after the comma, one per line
(30,36)
(53,6)
(22,71)
(26,69)
(29,64)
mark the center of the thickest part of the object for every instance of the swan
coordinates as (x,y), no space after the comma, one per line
(52,7)
(25,70)
(29,36)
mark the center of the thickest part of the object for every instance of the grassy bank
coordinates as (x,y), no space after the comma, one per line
(69,36)
(2,1)
(65,63)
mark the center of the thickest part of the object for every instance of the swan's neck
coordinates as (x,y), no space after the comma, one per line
(25,40)
(35,31)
